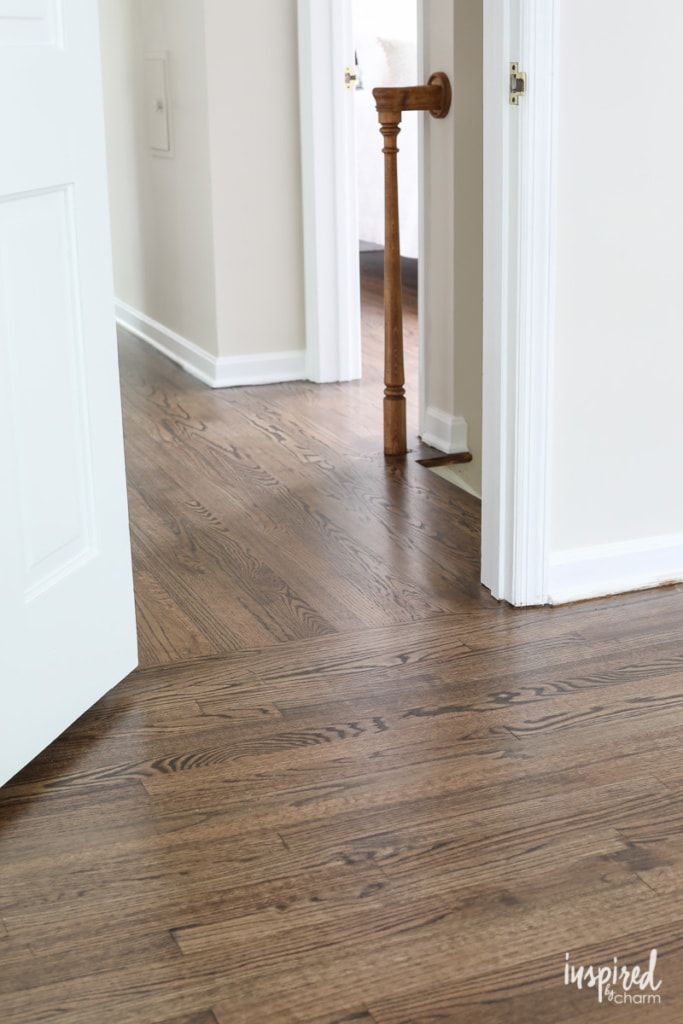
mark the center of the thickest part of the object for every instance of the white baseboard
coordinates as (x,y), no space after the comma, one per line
(263,368)
(191,357)
(444,432)
(615,568)
(216,371)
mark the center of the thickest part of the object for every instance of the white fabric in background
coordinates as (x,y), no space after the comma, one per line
(387,61)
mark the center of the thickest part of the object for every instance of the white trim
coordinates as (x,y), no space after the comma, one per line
(519,275)
(330,201)
(217,372)
(445,432)
(615,568)
(188,355)
(262,368)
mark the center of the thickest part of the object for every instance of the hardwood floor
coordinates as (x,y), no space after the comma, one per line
(345,784)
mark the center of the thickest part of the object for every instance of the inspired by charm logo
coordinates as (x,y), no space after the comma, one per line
(617,983)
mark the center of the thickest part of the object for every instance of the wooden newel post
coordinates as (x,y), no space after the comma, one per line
(395,439)
(434,97)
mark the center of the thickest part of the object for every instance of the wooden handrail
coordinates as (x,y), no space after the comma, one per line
(434,97)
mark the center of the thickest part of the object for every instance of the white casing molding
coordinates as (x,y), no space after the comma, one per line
(519,285)
(330,200)
(443,431)
(615,568)
(216,371)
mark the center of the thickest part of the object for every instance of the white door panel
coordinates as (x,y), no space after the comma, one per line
(29,22)
(66,599)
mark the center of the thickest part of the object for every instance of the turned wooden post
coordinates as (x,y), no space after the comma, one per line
(395,438)
(434,97)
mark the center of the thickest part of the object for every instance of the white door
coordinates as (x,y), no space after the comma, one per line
(66,596)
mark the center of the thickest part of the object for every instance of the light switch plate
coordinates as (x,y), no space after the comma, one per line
(157,105)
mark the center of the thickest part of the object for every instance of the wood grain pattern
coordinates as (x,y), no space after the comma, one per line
(345,786)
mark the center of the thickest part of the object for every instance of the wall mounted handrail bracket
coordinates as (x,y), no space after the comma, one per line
(434,98)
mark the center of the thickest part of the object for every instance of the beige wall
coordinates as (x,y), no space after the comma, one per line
(439,182)
(468,116)
(454,230)
(161,208)
(209,243)
(252,61)
(617,423)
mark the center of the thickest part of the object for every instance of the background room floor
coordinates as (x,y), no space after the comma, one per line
(345,784)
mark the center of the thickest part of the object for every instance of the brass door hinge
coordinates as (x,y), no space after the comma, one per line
(517,84)
(351,78)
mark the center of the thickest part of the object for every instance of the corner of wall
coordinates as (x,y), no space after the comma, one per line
(216,371)
(444,431)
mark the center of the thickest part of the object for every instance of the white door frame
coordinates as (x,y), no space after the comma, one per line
(519,283)
(330,192)
(519,262)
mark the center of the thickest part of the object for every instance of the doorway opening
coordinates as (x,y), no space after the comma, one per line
(484,339)
(396,46)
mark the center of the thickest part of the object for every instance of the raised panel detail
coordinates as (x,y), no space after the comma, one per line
(42,340)
(30,22)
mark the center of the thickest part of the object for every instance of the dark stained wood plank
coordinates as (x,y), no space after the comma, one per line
(203,1017)
(522,994)
(166,634)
